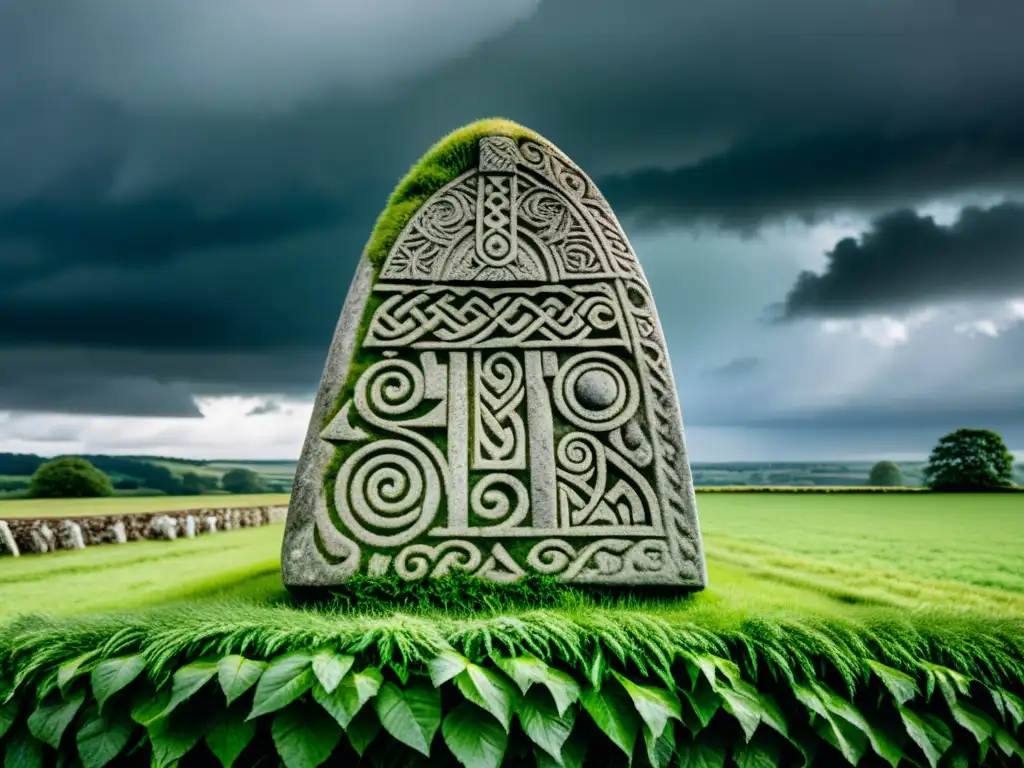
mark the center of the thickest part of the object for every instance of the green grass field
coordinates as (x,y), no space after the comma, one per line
(835,554)
(124,505)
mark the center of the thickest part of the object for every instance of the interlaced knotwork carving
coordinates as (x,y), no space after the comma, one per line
(456,317)
(521,414)
(500,438)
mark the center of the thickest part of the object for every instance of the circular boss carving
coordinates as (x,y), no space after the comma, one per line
(596,391)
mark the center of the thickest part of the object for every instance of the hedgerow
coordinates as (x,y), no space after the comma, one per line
(232,684)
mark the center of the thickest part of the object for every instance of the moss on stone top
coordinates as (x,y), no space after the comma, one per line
(446,160)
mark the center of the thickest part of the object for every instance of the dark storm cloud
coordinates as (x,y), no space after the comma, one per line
(739,368)
(182,182)
(759,181)
(907,259)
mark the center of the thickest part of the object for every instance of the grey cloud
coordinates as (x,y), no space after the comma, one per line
(82,393)
(267,407)
(907,259)
(738,368)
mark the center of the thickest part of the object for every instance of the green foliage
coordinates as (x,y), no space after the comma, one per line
(970,460)
(487,692)
(194,484)
(69,477)
(885,473)
(240,480)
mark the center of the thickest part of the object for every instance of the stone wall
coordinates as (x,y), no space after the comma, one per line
(39,535)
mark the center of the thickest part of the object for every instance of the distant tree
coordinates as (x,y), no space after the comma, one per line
(970,460)
(69,477)
(243,481)
(885,473)
(194,484)
(126,484)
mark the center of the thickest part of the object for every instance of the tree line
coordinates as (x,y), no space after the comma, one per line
(964,461)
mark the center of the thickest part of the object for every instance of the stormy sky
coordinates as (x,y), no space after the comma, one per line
(827,197)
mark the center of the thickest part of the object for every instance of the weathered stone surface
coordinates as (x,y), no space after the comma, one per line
(8,546)
(69,535)
(190,527)
(512,405)
(118,535)
(163,527)
(210,523)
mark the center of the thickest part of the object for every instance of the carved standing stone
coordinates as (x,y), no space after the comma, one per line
(515,408)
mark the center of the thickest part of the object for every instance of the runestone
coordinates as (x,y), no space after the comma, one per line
(498,398)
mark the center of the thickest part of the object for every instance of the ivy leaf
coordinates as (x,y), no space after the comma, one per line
(660,748)
(72,669)
(476,742)
(305,736)
(355,689)
(49,721)
(23,751)
(705,701)
(113,675)
(229,735)
(969,717)
(330,667)
(1008,744)
(445,666)
(542,723)
(901,686)
(526,670)
(613,712)
(171,741)
(850,741)
(187,681)
(149,704)
(746,709)
(887,748)
(412,715)
(1014,706)
(489,691)
(8,714)
(283,682)
(929,733)
(103,737)
(237,674)
(762,752)
(363,730)
(700,753)
(654,705)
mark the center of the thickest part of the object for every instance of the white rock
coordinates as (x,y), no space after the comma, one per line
(163,527)
(7,542)
(118,533)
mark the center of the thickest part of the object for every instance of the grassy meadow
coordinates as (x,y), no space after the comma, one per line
(838,554)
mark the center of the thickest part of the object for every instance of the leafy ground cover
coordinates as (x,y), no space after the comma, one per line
(10,508)
(778,662)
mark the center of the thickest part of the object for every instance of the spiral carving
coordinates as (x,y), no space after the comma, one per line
(419,560)
(493,504)
(387,492)
(389,389)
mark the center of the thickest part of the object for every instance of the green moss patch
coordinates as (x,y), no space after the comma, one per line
(453,155)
